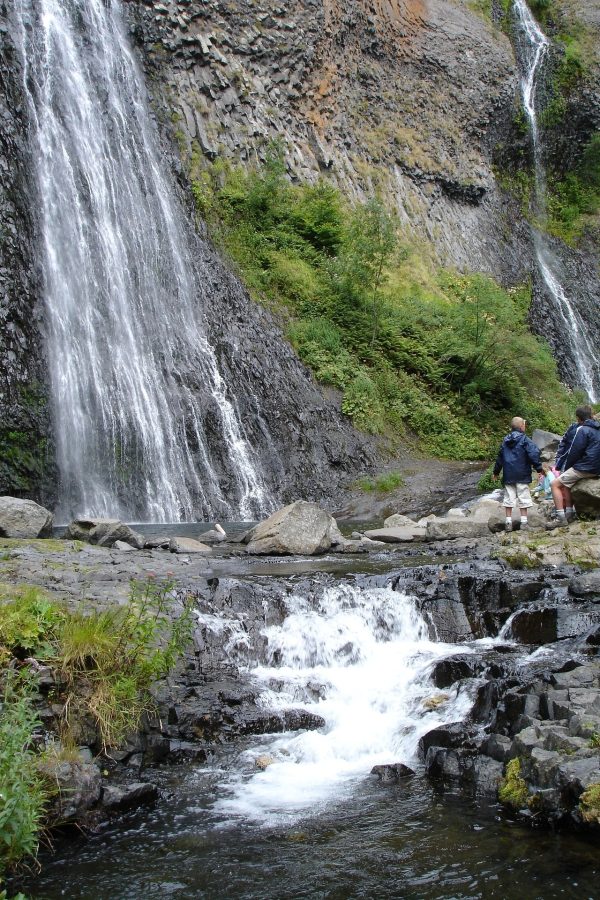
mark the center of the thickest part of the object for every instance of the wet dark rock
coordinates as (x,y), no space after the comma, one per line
(585,585)
(549,624)
(79,785)
(454,668)
(393,772)
(121,798)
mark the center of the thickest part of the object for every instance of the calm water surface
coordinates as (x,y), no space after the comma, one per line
(386,841)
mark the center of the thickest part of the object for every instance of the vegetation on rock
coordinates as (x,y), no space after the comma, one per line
(103,664)
(589,804)
(415,351)
(513,790)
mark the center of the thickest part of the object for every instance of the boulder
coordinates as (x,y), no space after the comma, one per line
(187,545)
(483,509)
(397,520)
(118,798)
(401,534)
(450,529)
(586,497)
(535,519)
(214,536)
(24,519)
(392,772)
(547,443)
(104,532)
(123,547)
(78,787)
(301,528)
(585,585)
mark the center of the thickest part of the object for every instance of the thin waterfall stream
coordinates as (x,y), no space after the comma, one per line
(134,378)
(584,355)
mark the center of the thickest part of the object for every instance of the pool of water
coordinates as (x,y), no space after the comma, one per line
(401,841)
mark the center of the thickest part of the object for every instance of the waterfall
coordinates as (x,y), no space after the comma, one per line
(572,328)
(360,657)
(135,384)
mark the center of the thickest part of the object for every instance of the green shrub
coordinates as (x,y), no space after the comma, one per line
(29,624)
(445,357)
(22,792)
(382,484)
(361,403)
(589,804)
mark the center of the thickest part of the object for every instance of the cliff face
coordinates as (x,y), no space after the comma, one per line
(26,454)
(406,97)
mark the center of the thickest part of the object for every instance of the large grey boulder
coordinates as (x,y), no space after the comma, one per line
(104,532)
(449,529)
(24,519)
(547,443)
(586,496)
(536,519)
(398,520)
(78,787)
(300,528)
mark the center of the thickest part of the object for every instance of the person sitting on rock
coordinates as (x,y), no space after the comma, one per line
(517,455)
(582,461)
(582,413)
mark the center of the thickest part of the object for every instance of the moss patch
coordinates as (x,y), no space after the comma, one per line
(513,789)
(589,805)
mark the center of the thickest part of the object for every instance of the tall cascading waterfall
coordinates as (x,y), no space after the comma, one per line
(133,376)
(534,47)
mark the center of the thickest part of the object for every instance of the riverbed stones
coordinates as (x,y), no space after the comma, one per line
(24,519)
(392,773)
(121,798)
(398,520)
(78,785)
(301,528)
(104,532)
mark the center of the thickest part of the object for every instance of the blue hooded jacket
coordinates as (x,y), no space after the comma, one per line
(565,445)
(584,454)
(516,457)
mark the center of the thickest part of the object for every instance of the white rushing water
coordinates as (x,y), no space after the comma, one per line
(126,340)
(535,46)
(361,659)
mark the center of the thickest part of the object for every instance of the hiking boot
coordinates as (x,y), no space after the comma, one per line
(508,526)
(570,517)
(524,526)
(557,523)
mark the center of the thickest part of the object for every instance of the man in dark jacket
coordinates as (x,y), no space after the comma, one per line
(582,413)
(518,454)
(581,461)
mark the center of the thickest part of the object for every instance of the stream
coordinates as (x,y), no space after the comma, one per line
(298,814)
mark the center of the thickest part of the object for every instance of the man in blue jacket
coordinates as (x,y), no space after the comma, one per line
(581,461)
(518,454)
(582,413)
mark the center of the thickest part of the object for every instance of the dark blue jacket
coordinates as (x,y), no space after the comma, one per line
(565,445)
(516,457)
(584,454)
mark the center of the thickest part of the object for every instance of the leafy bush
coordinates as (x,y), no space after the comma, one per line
(361,403)
(22,793)
(29,624)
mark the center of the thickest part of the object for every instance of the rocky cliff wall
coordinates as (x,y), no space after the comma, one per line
(406,97)
(26,453)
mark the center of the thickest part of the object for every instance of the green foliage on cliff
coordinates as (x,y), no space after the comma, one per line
(574,200)
(447,358)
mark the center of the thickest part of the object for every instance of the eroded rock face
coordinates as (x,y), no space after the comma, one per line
(411,94)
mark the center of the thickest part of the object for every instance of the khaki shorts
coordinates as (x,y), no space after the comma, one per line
(517,495)
(572,476)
